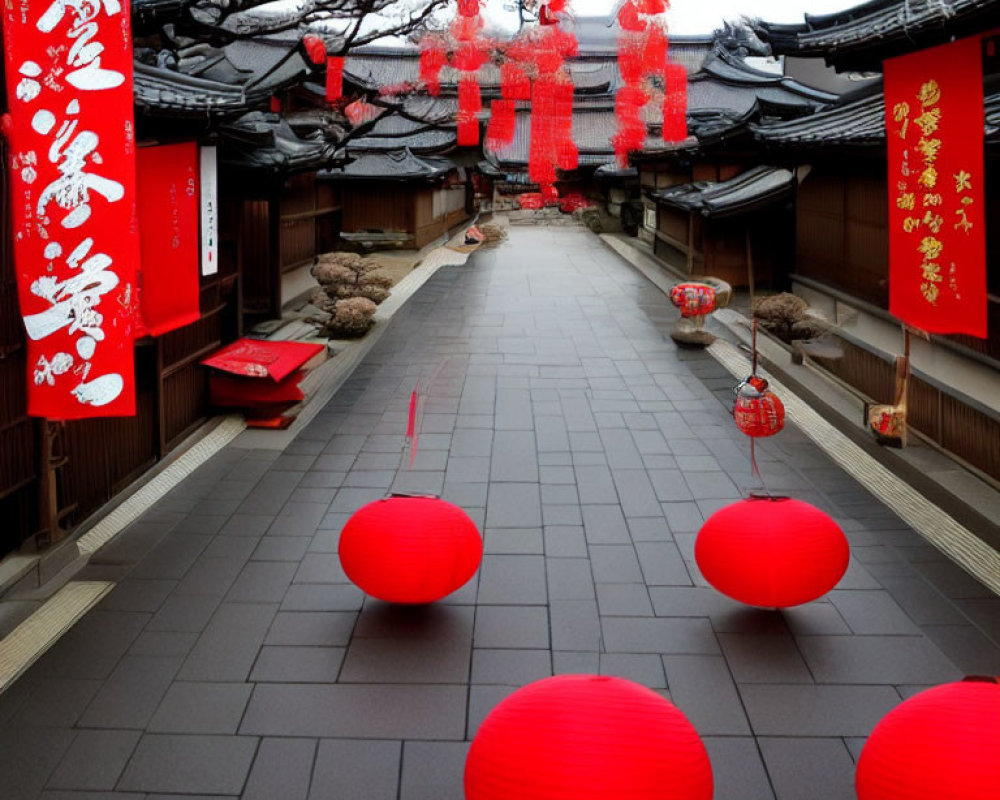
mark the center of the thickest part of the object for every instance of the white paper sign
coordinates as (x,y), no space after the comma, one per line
(209,212)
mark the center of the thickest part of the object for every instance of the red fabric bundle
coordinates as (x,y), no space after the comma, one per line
(469,98)
(514,82)
(572,202)
(433,57)
(334,78)
(227,392)
(655,51)
(675,103)
(502,125)
(628,18)
(550,194)
(262,358)
(468,58)
(468,8)
(530,200)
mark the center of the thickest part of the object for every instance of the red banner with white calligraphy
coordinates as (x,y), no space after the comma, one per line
(168,230)
(72,166)
(937,232)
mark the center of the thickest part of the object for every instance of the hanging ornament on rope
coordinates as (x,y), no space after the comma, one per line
(757,411)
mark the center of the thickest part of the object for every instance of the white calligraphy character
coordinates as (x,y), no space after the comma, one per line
(84,55)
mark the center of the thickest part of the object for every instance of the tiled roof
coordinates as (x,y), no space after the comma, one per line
(392,132)
(396,165)
(860,37)
(748,191)
(857,122)
(266,141)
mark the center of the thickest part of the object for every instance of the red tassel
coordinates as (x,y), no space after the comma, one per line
(675,103)
(655,51)
(514,83)
(630,53)
(469,99)
(503,124)
(468,58)
(334,78)
(468,8)
(567,155)
(433,57)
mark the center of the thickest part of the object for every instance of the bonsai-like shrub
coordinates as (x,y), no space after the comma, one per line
(350,318)
(345,275)
(788,317)
(492,233)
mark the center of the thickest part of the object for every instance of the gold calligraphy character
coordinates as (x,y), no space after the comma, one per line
(929,94)
(928,178)
(929,149)
(930,247)
(901,113)
(929,120)
(910,224)
(932,199)
(964,223)
(963,180)
(933,221)
(906,201)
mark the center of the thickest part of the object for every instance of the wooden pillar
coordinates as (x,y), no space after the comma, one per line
(690,248)
(50,530)
(750,282)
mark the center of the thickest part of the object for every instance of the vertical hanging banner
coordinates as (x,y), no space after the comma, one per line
(168,234)
(72,167)
(937,230)
(209,211)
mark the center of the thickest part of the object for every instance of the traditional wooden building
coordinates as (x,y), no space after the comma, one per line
(841,220)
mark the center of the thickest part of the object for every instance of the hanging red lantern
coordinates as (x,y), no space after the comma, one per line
(693,299)
(410,550)
(315,48)
(514,82)
(433,57)
(502,125)
(469,57)
(943,742)
(628,18)
(334,78)
(772,552)
(675,103)
(757,410)
(585,737)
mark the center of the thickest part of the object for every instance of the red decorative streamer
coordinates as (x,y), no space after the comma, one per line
(433,57)
(514,82)
(503,124)
(334,78)
(675,103)
(314,47)
(468,132)
(628,18)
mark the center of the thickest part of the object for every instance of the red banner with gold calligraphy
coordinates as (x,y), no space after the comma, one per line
(937,230)
(71,143)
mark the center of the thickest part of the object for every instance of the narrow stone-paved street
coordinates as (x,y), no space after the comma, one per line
(234,658)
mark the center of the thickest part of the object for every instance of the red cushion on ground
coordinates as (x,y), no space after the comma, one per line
(256,358)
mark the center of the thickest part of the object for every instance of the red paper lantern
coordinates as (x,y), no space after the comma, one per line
(410,550)
(584,737)
(315,48)
(693,299)
(772,552)
(941,743)
(757,410)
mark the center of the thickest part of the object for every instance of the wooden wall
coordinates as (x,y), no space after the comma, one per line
(383,207)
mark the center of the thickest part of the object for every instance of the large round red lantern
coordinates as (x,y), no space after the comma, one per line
(410,549)
(584,737)
(772,552)
(757,410)
(941,743)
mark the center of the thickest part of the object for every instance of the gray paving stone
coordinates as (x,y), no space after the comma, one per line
(512,626)
(636,493)
(512,580)
(190,707)
(407,660)
(814,768)
(381,711)
(319,568)
(702,687)
(876,659)
(132,693)
(605,525)
(595,484)
(180,613)
(262,582)
(482,700)
(283,548)
(815,619)
(565,541)
(514,457)
(872,612)
(189,764)
(513,505)
(282,768)
(966,647)
(561,515)
(56,702)
(643,635)
(513,541)
(132,594)
(212,576)
(764,658)
(737,769)
(163,643)
(623,600)
(569,579)
(662,564)
(575,625)
(643,668)
(28,756)
(803,710)
(353,768)
(172,558)
(94,760)
(683,517)
(247,525)
(615,563)
(433,770)
(468,469)
(649,529)
(510,667)
(229,645)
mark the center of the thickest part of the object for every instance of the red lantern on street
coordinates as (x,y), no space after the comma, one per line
(941,743)
(584,737)
(772,552)
(757,410)
(410,550)
(693,299)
